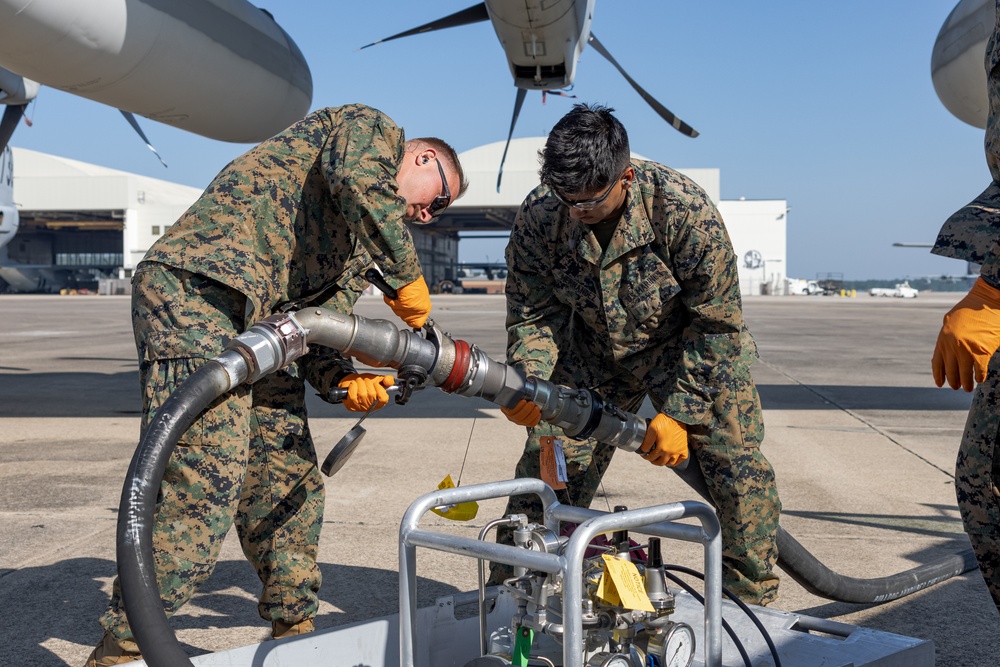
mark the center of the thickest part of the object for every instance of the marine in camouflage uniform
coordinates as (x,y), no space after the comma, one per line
(293,222)
(973,234)
(646,306)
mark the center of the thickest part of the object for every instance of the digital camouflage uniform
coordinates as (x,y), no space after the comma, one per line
(657,314)
(292,222)
(973,234)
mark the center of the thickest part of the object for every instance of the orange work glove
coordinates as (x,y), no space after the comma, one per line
(366,390)
(968,338)
(413,303)
(666,441)
(525,413)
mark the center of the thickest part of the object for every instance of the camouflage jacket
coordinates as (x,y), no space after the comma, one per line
(973,232)
(311,207)
(662,302)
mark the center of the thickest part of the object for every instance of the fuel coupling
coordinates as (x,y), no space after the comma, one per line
(430,357)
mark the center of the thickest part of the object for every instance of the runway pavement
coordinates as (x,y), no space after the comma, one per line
(862,442)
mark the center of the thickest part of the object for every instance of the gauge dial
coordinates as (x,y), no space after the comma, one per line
(678,647)
(617,660)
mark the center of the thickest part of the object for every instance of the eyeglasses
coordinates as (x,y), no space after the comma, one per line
(440,202)
(588,204)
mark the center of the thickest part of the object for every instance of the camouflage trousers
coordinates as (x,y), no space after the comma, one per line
(248,459)
(739,478)
(977,478)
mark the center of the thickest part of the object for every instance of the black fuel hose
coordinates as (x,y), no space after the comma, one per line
(820,580)
(136,513)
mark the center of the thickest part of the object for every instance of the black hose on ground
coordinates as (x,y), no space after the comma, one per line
(820,580)
(136,513)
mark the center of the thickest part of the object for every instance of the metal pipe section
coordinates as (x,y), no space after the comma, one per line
(431,357)
(481,593)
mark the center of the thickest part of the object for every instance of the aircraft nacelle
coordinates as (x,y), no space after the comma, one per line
(15,89)
(542,39)
(958,60)
(222,68)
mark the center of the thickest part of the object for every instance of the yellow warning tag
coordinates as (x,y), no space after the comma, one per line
(621,581)
(551,453)
(461,511)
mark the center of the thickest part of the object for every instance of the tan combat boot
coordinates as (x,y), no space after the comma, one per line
(109,652)
(281,630)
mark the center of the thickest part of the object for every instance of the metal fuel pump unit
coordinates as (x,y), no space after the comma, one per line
(561,619)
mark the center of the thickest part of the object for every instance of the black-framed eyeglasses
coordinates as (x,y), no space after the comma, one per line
(588,204)
(440,203)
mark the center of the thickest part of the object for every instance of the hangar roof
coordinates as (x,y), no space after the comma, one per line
(44,182)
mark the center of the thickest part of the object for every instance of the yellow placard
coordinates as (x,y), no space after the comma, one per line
(461,511)
(621,585)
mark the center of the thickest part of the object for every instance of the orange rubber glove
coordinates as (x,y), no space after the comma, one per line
(365,391)
(968,338)
(666,441)
(525,413)
(413,303)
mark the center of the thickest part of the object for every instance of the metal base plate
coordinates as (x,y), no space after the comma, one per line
(446,641)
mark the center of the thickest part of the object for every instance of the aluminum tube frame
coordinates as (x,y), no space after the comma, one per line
(408,551)
(652,520)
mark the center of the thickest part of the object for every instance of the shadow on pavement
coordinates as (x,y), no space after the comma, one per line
(68,599)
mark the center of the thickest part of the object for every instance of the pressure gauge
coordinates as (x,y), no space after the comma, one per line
(605,659)
(678,646)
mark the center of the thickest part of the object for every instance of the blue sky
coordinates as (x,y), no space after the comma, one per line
(827,105)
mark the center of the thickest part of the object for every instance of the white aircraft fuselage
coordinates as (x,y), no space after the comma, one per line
(542,39)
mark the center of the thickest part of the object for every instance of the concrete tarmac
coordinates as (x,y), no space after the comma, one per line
(862,441)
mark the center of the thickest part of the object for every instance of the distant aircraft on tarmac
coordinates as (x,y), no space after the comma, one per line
(543,41)
(957,60)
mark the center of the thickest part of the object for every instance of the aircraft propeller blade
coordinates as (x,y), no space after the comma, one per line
(135,126)
(518,101)
(473,14)
(664,113)
(11,117)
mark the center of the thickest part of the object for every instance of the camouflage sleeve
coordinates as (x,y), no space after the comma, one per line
(533,312)
(324,366)
(705,268)
(361,166)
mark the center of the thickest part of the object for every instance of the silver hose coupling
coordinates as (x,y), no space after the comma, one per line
(271,344)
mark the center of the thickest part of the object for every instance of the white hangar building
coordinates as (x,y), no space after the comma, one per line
(82,220)
(79,221)
(756,227)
